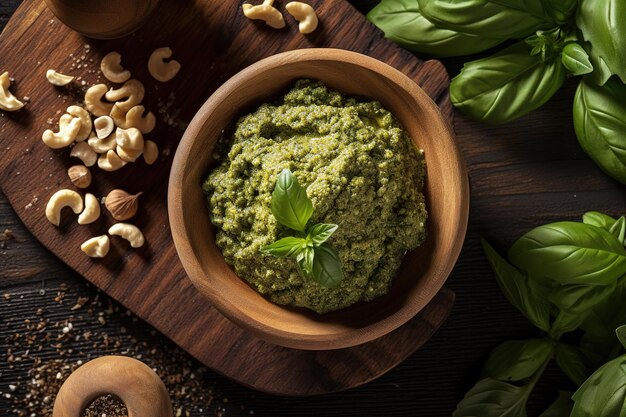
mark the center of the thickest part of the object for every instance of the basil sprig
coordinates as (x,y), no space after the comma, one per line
(292,208)
(555,39)
(563,277)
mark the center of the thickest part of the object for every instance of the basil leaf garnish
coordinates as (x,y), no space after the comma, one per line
(507,85)
(305,262)
(603,393)
(619,229)
(508,19)
(517,360)
(570,253)
(600,125)
(292,208)
(327,267)
(575,59)
(574,362)
(321,232)
(290,204)
(602,23)
(493,398)
(515,287)
(403,23)
(598,219)
(286,247)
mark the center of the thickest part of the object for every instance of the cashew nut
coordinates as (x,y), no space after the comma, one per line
(110,161)
(58,79)
(133,118)
(160,69)
(266,12)
(102,145)
(60,199)
(65,136)
(129,232)
(132,90)
(8,101)
(104,126)
(64,121)
(129,139)
(85,122)
(83,151)
(304,14)
(112,69)
(93,100)
(150,152)
(128,155)
(96,247)
(92,210)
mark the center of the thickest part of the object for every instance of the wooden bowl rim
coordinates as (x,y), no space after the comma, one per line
(353,336)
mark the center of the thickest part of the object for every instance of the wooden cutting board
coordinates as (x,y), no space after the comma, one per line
(213,41)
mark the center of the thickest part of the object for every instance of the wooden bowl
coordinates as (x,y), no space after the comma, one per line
(423,271)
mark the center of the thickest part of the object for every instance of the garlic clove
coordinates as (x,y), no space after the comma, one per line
(121,204)
(80,176)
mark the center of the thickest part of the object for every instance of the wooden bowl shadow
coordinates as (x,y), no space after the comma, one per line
(424,270)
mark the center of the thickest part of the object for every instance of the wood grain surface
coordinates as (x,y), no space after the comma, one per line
(523,174)
(212,41)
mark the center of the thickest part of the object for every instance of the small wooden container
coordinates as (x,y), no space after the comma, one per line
(424,270)
(102,19)
(133,382)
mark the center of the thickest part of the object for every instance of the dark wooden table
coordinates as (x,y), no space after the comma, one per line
(523,174)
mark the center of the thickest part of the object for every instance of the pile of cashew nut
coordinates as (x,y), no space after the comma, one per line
(111,140)
(303,13)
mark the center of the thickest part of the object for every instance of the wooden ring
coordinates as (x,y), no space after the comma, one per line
(133,382)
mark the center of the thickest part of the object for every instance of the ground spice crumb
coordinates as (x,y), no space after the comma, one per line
(80,303)
(7,235)
(40,355)
(106,406)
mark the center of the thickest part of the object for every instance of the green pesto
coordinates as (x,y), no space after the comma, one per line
(361,171)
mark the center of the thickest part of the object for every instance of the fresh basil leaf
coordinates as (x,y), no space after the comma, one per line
(285,247)
(517,360)
(600,325)
(600,124)
(620,332)
(575,59)
(545,43)
(607,223)
(601,72)
(403,23)
(602,24)
(574,361)
(619,229)
(570,253)
(603,394)
(561,407)
(290,204)
(493,398)
(575,304)
(506,85)
(496,19)
(601,220)
(514,285)
(305,262)
(320,233)
(326,269)
(561,11)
